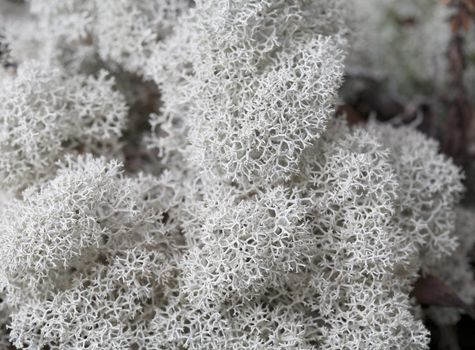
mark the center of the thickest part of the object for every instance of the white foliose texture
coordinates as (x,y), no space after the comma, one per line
(46,115)
(87,258)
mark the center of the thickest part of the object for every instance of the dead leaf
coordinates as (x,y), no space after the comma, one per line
(429,290)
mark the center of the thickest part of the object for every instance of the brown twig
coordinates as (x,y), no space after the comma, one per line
(460,119)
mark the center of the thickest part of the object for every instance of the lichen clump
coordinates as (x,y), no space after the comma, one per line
(268,223)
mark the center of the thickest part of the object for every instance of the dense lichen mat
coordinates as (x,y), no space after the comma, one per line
(174,175)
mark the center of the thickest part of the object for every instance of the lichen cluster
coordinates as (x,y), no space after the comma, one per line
(268,223)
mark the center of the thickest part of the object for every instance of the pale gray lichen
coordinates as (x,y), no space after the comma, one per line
(46,114)
(87,258)
(272,225)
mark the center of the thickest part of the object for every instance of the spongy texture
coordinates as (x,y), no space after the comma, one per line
(91,258)
(79,34)
(353,186)
(353,189)
(247,242)
(322,267)
(69,203)
(85,34)
(363,255)
(110,308)
(252,98)
(46,115)
(274,225)
(339,263)
(126,31)
(87,257)
(430,188)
